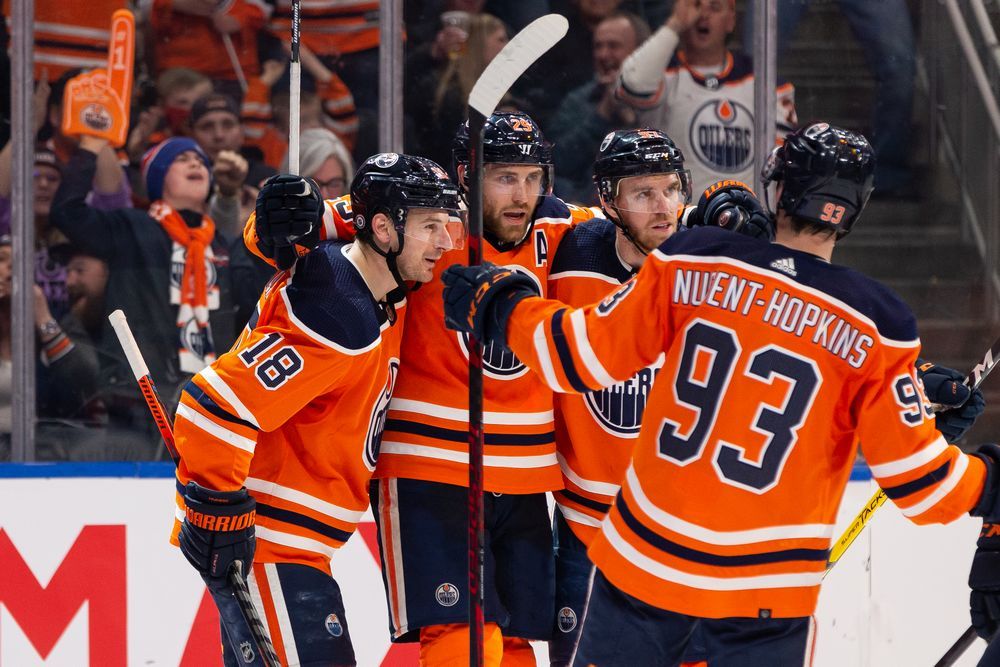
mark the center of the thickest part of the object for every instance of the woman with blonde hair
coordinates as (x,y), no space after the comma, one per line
(437,93)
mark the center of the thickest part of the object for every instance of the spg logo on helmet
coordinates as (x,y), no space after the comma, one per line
(385,160)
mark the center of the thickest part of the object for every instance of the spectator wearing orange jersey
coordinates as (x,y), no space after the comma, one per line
(191,33)
(265,110)
(70,35)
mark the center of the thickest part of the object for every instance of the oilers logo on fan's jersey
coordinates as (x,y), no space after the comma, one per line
(376,425)
(499,362)
(618,409)
(721,134)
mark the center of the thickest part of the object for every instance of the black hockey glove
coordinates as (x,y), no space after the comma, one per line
(961,406)
(218,529)
(289,217)
(984,577)
(731,205)
(479,299)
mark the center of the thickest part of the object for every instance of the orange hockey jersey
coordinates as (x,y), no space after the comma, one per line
(189,40)
(426,435)
(69,35)
(330,27)
(776,365)
(595,431)
(295,410)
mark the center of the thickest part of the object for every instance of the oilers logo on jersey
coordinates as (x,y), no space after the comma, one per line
(499,362)
(721,134)
(618,409)
(376,424)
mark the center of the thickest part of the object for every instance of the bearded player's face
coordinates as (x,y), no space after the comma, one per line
(511,192)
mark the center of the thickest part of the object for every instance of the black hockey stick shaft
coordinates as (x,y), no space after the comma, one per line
(477,540)
(512,61)
(958,648)
(243,627)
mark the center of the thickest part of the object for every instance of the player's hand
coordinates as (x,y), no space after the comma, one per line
(97,103)
(479,299)
(686,13)
(960,405)
(230,172)
(984,580)
(289,217)
(218,529)
(733,206)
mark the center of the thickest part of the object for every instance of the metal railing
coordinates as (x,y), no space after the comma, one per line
(960,70)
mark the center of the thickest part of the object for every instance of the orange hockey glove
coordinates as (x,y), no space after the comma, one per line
(97,103)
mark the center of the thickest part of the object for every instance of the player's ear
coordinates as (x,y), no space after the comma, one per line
(381,228)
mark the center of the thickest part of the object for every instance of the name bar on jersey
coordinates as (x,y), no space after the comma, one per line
(776,307)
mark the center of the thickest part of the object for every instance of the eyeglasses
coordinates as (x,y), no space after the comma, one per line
(338,184)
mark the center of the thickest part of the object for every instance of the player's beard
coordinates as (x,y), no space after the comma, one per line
(650,237)
(496,225)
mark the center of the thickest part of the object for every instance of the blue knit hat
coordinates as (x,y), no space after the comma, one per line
(158,159)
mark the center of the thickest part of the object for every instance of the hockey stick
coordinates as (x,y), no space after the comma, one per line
(295,76)
(245,632)
(967,639)
(972,380)
(517,56)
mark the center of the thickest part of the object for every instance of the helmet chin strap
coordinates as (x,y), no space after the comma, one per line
(392,255)
(617,222)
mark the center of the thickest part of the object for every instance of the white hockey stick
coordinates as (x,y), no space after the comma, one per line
(294,93)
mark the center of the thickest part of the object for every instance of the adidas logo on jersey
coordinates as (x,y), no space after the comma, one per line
(786,265)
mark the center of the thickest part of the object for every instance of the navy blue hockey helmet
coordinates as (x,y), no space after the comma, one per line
(826,175)
(637,152)
(393,183)
(509,137)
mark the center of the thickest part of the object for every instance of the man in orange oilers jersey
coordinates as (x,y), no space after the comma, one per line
(643,188)
(419,498)
(806,358)
(285,427)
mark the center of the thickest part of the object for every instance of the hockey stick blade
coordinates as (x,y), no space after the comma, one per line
(241,623)
(517,56)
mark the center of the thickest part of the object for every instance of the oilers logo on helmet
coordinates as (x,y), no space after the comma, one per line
(618,409)
(385,160)
(376,424)
(721,135)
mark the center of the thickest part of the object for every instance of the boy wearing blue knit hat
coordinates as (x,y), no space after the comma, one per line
(168,270)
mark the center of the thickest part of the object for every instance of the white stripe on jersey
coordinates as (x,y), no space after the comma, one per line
(490,460)
(586,352)
(589,485)
(294,541)
(704,582)
(304,499)
(461,415)
(934,449)
(218,384)
(208,426)
(819,531)
(291,656)
(575,516)
(944,488)
(542,350)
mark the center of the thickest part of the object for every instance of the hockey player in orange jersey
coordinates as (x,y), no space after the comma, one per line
(419,495)
(286,426)
(806,358)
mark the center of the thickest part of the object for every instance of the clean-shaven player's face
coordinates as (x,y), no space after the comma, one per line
(511,192)
(429,234)
(649,206)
